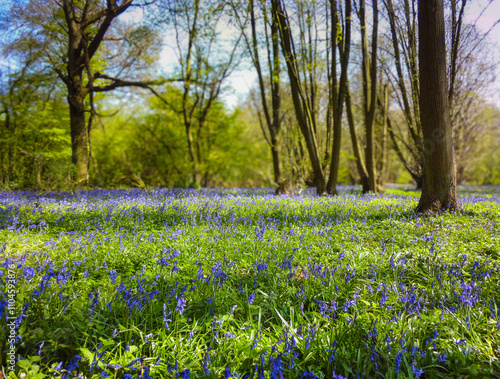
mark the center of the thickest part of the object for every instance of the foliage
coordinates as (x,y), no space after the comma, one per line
(150,148)
(35,147)
(224,283)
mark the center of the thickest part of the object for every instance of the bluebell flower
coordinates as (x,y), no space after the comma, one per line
(397,362)
(94,300)
(442,357)
(58,367)
(74,363)
(276,366)
(206,363)
(181,303)
(294,355)
(166,320)
(337,376)
(417,371)
(332,351)
(251,298)
(113,275)
(29,273)
(309,375)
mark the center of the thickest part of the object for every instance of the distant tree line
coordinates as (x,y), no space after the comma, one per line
(84,103)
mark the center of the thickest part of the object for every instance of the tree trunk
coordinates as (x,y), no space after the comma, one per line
(195,179)
(338,89)
(411,110)
(302,111)
(275,127)
(79,142)
(360,163)
(419,181)
(273,120)
(382,166)
(369,68)
(275,150)
(439,182)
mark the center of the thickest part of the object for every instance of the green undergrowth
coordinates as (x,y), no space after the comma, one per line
(169,283)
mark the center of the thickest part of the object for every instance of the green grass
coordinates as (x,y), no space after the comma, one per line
(352,285)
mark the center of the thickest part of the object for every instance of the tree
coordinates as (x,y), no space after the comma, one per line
(303,61)
(205,62)
(303,109)
(366,164)
(269,79)
(439,181)
(475,71)
(403,36)
(338,88)
(146,146)
(470,73)
(34,125)
(68,35)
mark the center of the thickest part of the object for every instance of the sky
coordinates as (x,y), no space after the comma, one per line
(487,21)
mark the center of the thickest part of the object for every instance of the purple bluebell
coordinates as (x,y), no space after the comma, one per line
(113,275)
(417,371)
(337,376)
(166,320)
(442,357)
(251,298)
(181,303)
(206,363)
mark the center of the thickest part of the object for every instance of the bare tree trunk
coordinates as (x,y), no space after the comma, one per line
(439,184)
(195,180)
(302,110)
(79,142)
(369,68)
(411,109)
(275,152)
(382,162)
(360,162)
(338,91)
(275,126)
(273,120)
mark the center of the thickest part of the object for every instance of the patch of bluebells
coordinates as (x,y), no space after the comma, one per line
(153,283)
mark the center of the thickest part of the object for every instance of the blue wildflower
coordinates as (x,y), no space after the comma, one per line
(113,275)
(337,376)
(397,362)
(417,371)
(166,320)
(251,298)
(181,303)
(309,375)
(442,357)
(206,363)
(276,365)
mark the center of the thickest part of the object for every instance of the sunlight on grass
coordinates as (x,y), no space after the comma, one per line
(240,283)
